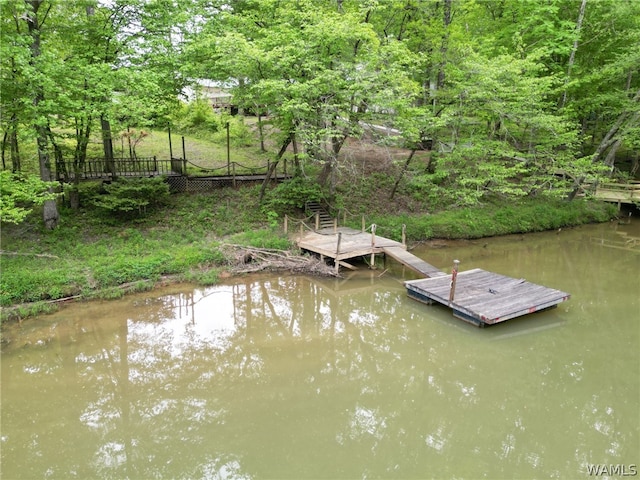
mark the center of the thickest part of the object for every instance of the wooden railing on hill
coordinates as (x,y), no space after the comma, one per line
(101,168)
(197,178)
(618,192)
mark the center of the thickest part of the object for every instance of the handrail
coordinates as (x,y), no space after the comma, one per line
(94,168)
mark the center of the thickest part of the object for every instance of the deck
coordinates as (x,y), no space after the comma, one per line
(486,298)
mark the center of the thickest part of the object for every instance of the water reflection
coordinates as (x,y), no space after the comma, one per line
(296,377)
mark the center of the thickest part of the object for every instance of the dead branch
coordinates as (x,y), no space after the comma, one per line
(40,255)
(252,259)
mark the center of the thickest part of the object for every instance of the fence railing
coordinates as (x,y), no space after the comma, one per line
(101,168)
(96,168)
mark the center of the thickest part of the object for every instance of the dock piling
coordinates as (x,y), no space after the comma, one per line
(454,277)
(338,252)
(373,244)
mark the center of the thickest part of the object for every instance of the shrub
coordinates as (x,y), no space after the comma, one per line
(133,195)
(19,193)
(292,194)
(197,116)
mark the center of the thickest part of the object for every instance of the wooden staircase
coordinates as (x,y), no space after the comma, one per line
(324,219)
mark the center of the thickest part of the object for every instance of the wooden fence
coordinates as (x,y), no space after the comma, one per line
(100,168)
(197,179)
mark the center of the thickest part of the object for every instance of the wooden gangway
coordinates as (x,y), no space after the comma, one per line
(411,261)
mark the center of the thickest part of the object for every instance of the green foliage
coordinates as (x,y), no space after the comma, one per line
(291,195)
(197,116)
(123,269)
(28,278)
(133,195)
(525,215)
(264,238)
(20,193)
(204,277)
(239,133)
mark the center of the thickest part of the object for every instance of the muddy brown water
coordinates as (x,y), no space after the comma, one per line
(279,376)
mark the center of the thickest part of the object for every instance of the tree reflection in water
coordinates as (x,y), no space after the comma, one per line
(294,377)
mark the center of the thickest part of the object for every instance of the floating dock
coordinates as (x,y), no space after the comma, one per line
(476,296)
(485,298)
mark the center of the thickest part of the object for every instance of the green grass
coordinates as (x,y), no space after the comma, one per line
(207,150)
(525,215)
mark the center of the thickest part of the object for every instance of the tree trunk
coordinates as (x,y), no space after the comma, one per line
(444,47)
(16,164)
(404,169)
(624,119)
(273,166)
(11,138)
(572,56)
(50,215)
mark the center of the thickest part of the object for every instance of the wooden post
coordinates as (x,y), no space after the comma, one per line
(335,225)
(234,174)
(338,252)
(286,223)
(404,235)
(344,217)
(362,223)
(228,151)
(454,277)
(317,220)
(373,244)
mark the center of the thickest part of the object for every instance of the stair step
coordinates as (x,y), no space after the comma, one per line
(324,219)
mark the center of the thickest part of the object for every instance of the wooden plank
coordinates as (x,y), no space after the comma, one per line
(414,263)
(486,298)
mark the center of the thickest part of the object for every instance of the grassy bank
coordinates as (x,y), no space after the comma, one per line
(92,255)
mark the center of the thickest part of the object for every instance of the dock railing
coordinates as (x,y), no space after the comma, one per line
(312,223)
(618,192)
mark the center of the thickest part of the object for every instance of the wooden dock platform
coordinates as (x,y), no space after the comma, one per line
(485,298)
(344,243)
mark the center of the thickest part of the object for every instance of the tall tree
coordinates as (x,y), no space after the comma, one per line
(35,19)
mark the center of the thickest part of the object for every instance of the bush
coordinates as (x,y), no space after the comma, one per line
(197,116)
(133,195)
(291,195)
(19,193)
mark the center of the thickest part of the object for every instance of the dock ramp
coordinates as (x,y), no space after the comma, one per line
(414,263)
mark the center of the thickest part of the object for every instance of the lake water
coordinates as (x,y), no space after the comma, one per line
(281,376)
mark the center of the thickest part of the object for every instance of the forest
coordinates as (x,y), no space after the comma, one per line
(511,98)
